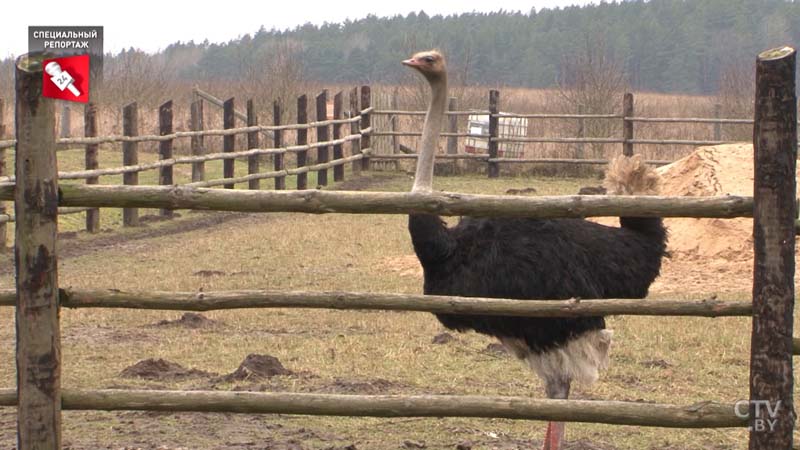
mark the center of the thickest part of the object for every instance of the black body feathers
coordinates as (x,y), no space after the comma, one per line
(536,259)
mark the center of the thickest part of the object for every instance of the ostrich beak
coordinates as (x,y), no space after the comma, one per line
(411,63)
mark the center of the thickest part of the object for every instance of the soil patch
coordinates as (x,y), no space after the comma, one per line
(443,338)
(161,369)
(189,320)
(376,386)
(257,367)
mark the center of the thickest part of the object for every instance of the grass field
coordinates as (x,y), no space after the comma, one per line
(665,360)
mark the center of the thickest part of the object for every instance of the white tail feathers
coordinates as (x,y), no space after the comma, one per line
(631,176)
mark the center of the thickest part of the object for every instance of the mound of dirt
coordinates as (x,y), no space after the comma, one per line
(160,369)
(717,170)
(724,246)
(258,367)
(189,320)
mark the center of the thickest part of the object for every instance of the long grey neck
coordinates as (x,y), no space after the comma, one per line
(423,179)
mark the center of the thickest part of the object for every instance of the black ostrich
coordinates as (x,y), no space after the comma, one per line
(534,259)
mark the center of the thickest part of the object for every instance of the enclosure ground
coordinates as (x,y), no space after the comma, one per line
(665,360)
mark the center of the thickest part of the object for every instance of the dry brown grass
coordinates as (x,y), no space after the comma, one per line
(672,360)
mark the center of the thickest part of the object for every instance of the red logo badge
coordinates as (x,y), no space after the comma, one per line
(67,78)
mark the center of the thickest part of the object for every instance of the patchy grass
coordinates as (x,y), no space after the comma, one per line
(665,360)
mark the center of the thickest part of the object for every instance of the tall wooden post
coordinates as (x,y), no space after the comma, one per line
(393,125)
(627,125)
(198,168)
(130,157)
(366,123)
(66,121)
(581,133)
(493,169)
(252,142)
(774,211)
(3,227)
(90,130)
(452,127)
(302,139)
(36,208)
(229,141)
(338,171)
(355,145)
(322,136)
(165,177)
(277,137)
(717,125)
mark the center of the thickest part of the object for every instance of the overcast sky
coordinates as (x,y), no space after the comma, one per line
(152,25)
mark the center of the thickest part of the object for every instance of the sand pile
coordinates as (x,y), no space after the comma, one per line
(718,170)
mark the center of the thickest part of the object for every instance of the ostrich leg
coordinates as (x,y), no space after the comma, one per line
(556,388)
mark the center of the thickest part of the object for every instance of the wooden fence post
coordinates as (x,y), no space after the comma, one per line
(322,136)
(774,211)
(338,171)
(252,142)
(366,123)
(580,148)
(452,127)
(355,145)
(627,125)
(66,121)
(229,141)
(493,169)
(277,139)
(130,157)
(165,177)
(3,227)
(393,126)
(302,139)
(198,168)
(36,208)
(90,130)
(717,126)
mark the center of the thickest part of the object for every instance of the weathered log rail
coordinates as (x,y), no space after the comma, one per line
(438,304)
(442,203)
(700,415)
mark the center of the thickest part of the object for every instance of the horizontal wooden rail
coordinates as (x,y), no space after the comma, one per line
(395,112)
(550,140)
(689,120)
(442,203)
(655,162)
(699,415)
(439,304)
(84,174)
(277,173)
(559,116)
(480,156)
(676,142)
(188,134)
(419,133)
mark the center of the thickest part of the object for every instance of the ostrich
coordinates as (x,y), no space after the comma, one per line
(533,259)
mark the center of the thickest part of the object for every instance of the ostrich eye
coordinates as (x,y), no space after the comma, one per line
(428,59)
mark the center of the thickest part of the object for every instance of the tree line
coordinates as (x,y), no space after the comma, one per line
(660,45)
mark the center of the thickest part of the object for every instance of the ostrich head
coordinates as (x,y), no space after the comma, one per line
(429,63)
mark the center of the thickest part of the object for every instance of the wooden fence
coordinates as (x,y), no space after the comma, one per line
(40,399)
(332,138)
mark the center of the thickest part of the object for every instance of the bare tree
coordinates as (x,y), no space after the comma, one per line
(735,97)
(590,81)
(273,72)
